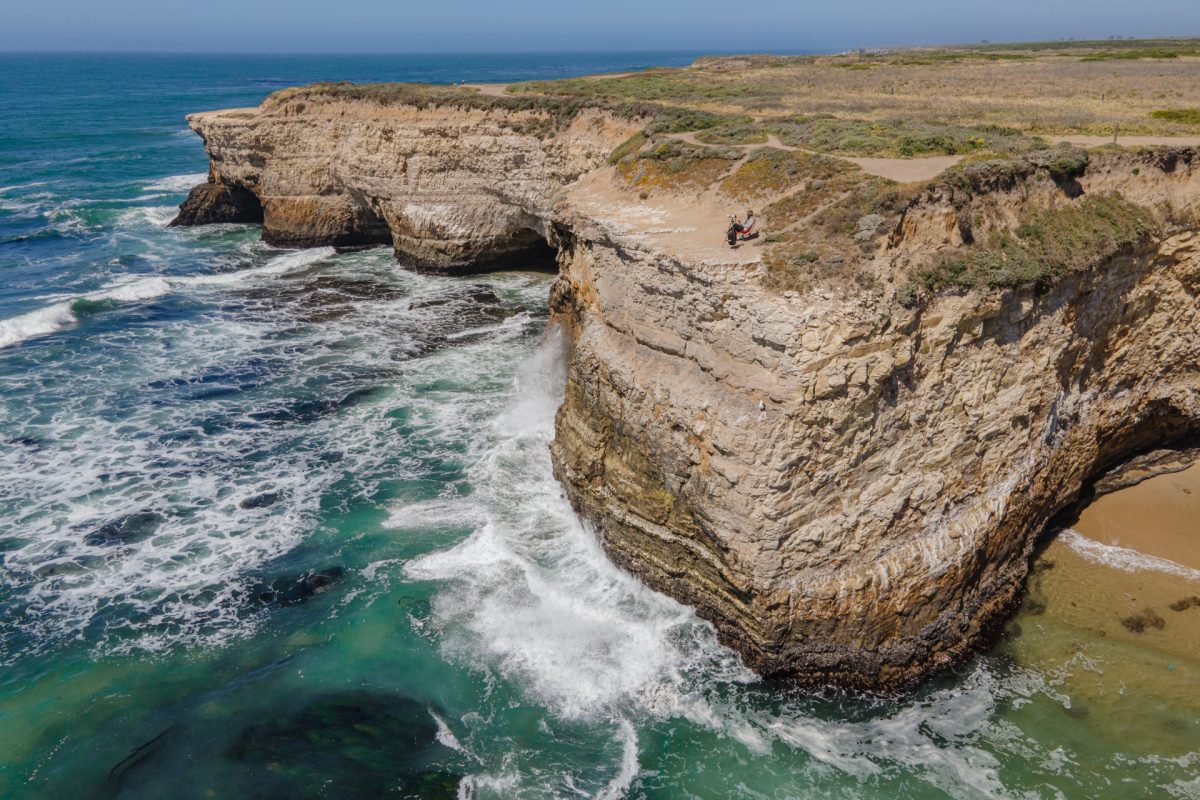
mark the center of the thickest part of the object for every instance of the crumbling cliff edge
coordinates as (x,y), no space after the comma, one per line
(846,477)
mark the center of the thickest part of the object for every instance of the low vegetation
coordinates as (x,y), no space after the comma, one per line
(769,171)
(556,110)
(1062,164)
(1134,54)
(826,133)
(671,164)
(842,219)
(1185,116)
(1044,247)
(733,134)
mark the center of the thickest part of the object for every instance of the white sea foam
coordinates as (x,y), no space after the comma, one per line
(59,315)
(291,261)
(133,291)
(1123,558)
(7,189)
(176,184)
(620,783)
(30,325)
(143,216)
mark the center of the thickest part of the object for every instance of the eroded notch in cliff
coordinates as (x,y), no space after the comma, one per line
(215,202)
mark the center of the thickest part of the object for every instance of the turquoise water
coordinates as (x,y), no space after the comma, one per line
(282,524)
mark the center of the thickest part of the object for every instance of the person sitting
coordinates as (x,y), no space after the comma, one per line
(741,230)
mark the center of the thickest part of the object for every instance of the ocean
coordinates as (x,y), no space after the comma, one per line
(282,523)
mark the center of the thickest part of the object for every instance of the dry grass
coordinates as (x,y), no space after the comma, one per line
(1049,88)
(671,164)
(768,171)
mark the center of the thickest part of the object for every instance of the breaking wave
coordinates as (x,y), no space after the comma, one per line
(66,313)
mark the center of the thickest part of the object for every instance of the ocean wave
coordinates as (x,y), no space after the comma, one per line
(154,216)
(15,186)
(279,265)
(26,206)
(1123,558)
(65,313)
(176,184)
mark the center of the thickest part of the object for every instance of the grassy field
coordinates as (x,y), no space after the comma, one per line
(1039,89)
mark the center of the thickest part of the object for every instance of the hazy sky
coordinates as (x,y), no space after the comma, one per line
(522,25)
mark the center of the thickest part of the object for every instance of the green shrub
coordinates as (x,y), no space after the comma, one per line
(1063,163)
(683,120)
(733,134)
(628,148)
(825,133)
(1045,246)
(1186,116)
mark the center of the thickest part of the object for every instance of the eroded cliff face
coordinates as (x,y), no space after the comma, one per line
(848,487)
(450,188)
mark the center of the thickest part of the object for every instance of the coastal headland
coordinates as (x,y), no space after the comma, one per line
(841,440)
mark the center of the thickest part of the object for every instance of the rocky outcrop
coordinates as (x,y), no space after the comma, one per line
(848,486)
(452,188)
(212,202)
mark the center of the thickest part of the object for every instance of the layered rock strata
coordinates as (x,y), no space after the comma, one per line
(847,486)
(456,189)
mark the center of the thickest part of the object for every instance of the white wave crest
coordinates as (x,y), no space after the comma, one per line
(133,291)
(176,184)
(279,265)
(42,322)
(153,216)
(60,315)
(1123,558)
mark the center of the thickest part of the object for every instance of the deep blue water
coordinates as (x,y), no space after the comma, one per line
(282,524)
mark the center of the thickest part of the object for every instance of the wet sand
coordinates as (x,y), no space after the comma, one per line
(1115,633)
(1159,517)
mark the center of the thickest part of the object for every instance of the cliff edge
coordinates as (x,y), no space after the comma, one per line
(840,441)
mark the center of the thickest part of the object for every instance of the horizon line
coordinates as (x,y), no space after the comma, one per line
(588,51)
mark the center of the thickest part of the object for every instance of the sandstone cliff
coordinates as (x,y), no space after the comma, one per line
(847,480)
(450,187)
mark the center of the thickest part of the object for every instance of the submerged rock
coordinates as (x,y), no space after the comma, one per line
(126,530)
(139,756)
(351,744)
(264,500)
(1144,620)
(299,589)
(1185,603)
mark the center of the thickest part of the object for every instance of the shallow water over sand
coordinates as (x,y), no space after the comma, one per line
(1113,614)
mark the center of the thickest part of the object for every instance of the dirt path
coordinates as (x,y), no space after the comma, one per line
(901,170)
(1127,141)
(907,170)
(493,89)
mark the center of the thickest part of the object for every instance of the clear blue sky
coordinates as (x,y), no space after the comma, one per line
(529,25)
